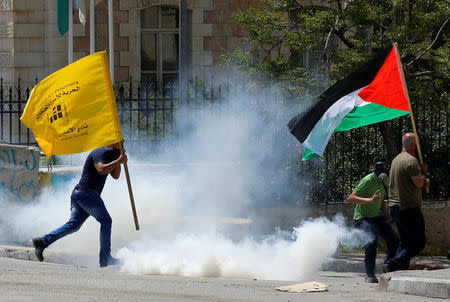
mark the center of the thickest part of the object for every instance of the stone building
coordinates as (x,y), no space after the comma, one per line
(146,37)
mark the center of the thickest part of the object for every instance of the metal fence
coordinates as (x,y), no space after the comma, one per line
(148,116)
(12,102)
(147,113)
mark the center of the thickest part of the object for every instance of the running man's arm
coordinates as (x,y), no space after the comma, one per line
(355,198)
(116,172)
(113,167)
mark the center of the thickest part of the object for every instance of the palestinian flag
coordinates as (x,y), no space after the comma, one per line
(371,94)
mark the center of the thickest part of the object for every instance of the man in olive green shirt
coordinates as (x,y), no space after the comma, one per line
(369,199)
(405,190)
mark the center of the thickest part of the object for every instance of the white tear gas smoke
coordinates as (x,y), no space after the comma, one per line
(213,255)
(194,201)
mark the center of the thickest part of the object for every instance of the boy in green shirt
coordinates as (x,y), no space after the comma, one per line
(369,199)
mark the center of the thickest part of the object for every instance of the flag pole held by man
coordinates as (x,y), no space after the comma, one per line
(74,110)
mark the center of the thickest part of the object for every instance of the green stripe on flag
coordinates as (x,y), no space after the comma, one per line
(309,155)
(62,15)
(368,114)
(362,116)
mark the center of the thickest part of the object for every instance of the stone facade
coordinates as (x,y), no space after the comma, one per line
(6,40)
(30,44)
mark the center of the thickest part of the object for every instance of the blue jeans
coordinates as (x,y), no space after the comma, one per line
(85,203)
(411,227)
(377,226)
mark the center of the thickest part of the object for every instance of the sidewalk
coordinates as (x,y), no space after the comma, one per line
(428,276)
(434,283)
(355,263)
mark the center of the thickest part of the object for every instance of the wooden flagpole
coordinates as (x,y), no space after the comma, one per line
(405,88)
(130,190)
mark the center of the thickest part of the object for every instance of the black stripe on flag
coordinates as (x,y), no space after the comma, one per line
(302,124)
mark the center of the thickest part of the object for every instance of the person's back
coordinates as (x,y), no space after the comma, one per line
(402,190)
(90,178)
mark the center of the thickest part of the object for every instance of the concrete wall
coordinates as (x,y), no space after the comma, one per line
(436,215)
(437,220)
(19,167)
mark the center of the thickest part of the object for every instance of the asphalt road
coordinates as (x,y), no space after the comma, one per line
(22,280)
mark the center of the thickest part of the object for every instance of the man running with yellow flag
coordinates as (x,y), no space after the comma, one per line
(74,110)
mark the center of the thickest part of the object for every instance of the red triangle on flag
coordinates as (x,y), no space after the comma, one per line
(386,89)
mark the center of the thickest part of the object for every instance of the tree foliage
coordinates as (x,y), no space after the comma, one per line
(339,36)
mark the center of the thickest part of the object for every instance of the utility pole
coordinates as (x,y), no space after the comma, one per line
(183,51)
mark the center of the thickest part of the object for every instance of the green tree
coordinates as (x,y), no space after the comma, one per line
(339,36)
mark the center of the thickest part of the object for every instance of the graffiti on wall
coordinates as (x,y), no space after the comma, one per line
(19,167)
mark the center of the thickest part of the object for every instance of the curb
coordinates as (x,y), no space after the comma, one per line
(426,287)
(18,253)
(353,266)
(59,257)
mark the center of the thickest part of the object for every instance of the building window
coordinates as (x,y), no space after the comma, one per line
(159,45)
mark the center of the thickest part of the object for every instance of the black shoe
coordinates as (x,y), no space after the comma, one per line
(39,247)
(390,267)
(372,279)
(109,260)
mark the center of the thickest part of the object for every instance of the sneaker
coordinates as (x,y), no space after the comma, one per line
(110,260)
(39,247)
(371,279)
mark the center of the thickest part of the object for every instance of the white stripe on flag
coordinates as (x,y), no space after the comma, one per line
(319,136)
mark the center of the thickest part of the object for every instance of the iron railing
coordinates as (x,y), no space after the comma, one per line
(149,115)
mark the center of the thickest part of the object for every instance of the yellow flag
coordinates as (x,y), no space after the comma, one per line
(74,109)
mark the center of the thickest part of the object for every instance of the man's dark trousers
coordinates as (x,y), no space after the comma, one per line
(411,226)
(377,226)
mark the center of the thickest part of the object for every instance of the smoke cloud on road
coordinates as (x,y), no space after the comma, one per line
(275,257)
